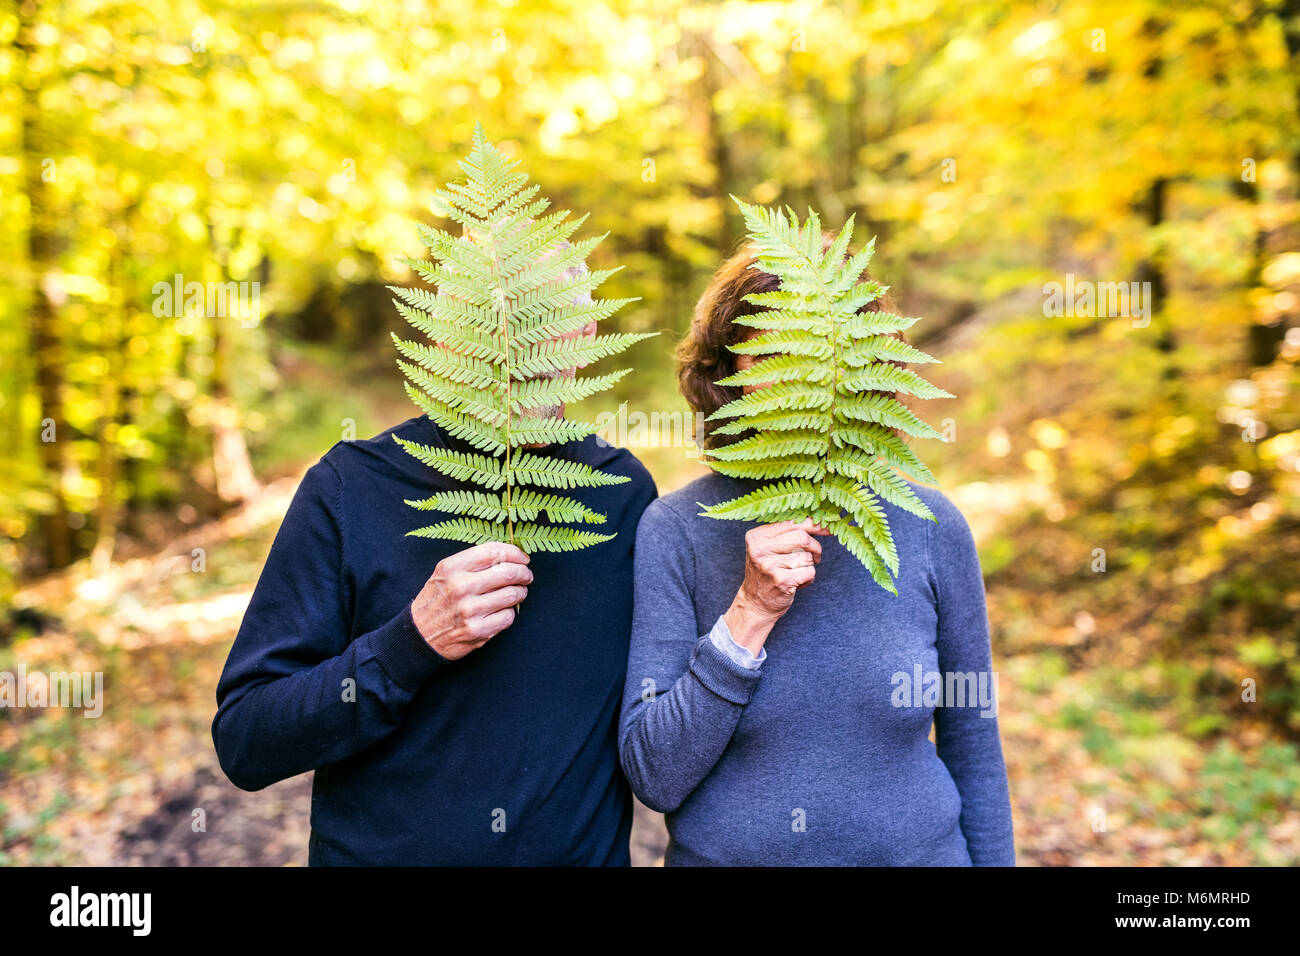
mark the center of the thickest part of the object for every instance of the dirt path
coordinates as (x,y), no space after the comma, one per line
(267,828)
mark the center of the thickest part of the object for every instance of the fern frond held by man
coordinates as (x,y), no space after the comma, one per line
(823,428)
(506,328)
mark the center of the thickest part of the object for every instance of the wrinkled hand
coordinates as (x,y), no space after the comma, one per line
(471,597)
(779,560)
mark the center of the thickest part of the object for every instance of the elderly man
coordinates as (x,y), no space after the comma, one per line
(448,723)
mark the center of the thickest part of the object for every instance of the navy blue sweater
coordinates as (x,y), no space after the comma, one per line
(506,756)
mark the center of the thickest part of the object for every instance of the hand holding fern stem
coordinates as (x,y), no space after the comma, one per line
(471,597)
(780,559)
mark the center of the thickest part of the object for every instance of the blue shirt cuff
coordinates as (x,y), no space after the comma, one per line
(723,641)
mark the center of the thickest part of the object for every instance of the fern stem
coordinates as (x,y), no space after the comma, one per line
(500,304)
(830,431)
(509,465)
(819,482)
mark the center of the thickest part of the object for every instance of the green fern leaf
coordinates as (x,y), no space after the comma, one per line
(878,440)
(780,445)
(565,320)
(456,313)
(783,397)
(883,348)
(888,378)
(862,325)
(783,501)
(546,392)
(779,368)
(558,355)
(547,431)
(459,466)
(793,467)
(481,436)
(470,504)
(511,292)
(879,477)
(558,473)
(855,540)
(822,423)
(867,514)
(528,504)
(469,530)
(886,411)
(445,328)
(794,342)
(479,403)
(533,537)
(776,421)
(443,362)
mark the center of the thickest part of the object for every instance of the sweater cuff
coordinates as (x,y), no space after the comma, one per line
(403,653)
(723,641)
(720,674)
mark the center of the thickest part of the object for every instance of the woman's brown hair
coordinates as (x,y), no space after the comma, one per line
(704,356)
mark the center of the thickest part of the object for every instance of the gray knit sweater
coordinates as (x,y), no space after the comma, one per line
(823,754)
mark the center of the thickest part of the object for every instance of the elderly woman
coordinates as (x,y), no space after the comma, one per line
(779,703)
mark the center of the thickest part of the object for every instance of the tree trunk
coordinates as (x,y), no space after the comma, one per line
(232,468)
(855,133)
(45,344)
(111,404)
(1290,16)
(1152,268)
(715,138)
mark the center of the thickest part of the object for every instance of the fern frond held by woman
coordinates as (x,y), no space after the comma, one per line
(823,428)
(506,328)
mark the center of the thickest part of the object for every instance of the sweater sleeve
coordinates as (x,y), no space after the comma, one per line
(683,696)
(298,692)
(967,737)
